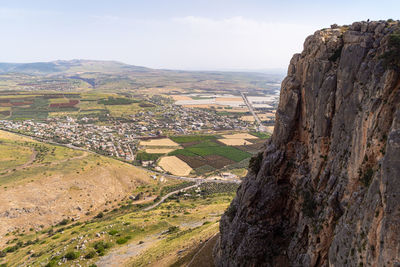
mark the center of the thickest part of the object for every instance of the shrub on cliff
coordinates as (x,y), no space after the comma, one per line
(309,204)
(391,58)
(367,177)
(255,163)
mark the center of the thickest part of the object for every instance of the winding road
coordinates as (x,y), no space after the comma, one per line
(170,194)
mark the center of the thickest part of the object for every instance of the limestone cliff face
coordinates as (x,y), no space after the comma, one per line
(326,191)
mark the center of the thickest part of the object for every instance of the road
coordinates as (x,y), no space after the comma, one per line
(261,127)
(170,194)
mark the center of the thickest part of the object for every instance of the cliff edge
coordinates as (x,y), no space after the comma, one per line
(326,189)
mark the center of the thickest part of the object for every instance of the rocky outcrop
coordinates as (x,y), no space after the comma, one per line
(326,190)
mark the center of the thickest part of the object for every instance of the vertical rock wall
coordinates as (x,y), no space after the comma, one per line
(327,191)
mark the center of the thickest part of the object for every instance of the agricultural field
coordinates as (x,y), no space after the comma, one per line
(207,155)
(22,106)
(158,150)
(163,142)
(174,166)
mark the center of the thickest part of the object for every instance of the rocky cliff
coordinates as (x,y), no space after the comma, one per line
(326,190)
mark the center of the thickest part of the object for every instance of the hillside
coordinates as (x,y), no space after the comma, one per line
(67,207)
(84,75)
(325,191)
(68,66)
(42,184)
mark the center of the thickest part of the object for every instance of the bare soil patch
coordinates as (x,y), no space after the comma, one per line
(193,162)
(218,161)
(159,142)
(159,150)
(234,142)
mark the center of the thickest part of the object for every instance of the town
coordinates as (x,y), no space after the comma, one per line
(119,137)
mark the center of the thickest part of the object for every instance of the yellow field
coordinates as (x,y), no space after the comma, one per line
(83,105)
(159,142)
(202,106)
(229,99)
(247,118)
(181,97)
(159,150)
(270,129)
(235,142)
(121,110)
(16,96)
(58,100)
(234,110)
(66,113)
(240,136)
(174,165)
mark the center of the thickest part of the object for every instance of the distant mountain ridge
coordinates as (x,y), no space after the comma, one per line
(61,66)
(80,74)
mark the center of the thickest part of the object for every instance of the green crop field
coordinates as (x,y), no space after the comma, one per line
(261,135)
(207,148)
(143,156)
(192,138)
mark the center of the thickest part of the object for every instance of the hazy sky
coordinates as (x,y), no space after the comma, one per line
(177,34)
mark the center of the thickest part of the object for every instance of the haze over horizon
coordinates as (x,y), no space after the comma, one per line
(195,35)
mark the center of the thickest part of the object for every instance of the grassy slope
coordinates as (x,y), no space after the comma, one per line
(68,182)
(167,234)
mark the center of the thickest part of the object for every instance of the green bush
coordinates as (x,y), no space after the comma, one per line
(231,212)
(173,229)
(64,222)
(121,240)
(113,232)
(367,177)
(100,247)
(99,216)
(336,54)
(255,163)
(72,255)
(90,255)
(51,263)
(391,58)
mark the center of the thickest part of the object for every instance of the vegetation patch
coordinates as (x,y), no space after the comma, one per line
(117,101)
(255,162)
(192,138)
(391,58)
(367,177)
(261,135)
(207,148)
(143,156)
(205,169)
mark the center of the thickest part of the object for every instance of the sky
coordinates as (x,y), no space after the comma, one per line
(174,34)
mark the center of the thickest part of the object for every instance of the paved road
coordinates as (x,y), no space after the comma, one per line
(170,194)
(261,127)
